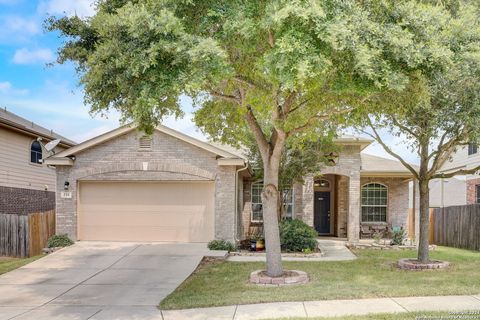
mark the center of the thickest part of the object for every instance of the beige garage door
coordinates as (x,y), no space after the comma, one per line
(144,211)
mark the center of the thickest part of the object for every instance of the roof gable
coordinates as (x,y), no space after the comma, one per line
(127,128)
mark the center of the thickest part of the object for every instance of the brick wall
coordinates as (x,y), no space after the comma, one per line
(471,190)
(348,171)
(169,159)
(25,201)
(398,195)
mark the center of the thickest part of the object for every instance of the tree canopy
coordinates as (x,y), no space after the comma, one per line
(439,110)
(273,70)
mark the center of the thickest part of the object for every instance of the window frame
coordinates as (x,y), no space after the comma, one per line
(255,185)
(472,149)
(362,205)
(37,153)
(285,204)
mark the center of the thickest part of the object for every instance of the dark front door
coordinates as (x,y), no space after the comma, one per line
(322,212)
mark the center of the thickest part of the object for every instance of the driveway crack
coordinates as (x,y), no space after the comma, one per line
(93,275)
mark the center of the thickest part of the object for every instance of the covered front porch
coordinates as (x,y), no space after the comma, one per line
(330,204)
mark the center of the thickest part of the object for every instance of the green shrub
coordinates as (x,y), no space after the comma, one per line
(221,245)
(297,236)
(398,237)
(59,240)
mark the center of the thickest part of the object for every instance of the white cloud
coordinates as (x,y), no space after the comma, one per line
(5,86)
(27,56)
(15,24)
(81,8)
(16,29)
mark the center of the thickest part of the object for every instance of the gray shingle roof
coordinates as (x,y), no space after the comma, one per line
(371,163)
(10,119)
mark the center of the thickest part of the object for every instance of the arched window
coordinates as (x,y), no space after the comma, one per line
(374,202)
(35,152)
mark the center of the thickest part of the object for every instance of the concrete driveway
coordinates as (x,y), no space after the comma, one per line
(99,280)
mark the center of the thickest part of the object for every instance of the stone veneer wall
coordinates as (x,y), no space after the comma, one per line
(342,206)
(398,196)
(169,159)
(348,184)
(25,201)
(348,179)
(471,190)
(348,166)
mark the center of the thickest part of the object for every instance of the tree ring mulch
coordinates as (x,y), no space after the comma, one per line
(414,264)
(289,277)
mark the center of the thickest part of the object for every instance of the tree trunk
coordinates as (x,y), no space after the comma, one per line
(423,254)
(270,200)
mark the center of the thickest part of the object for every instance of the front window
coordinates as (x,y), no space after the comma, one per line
(36,152)
(257,207)
(374,202)
(472,148)
(477,193)
(287,200)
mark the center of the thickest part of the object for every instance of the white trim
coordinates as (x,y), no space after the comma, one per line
(58,161)
(230,162)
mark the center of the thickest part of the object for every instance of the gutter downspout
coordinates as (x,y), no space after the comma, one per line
(235,237)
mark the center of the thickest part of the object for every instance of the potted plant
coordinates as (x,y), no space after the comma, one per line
(259,242)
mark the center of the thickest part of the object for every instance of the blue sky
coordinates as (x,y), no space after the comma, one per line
(50,96)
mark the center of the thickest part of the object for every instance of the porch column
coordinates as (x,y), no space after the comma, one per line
(353,228)
(307,201)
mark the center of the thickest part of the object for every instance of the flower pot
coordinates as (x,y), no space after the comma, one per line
(260,245)
(253,245)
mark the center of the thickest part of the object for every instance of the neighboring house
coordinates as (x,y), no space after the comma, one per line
(447,192)
(466,157)
(26,184)
(125,186)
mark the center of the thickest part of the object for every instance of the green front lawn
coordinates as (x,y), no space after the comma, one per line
(373,274)
(9,264)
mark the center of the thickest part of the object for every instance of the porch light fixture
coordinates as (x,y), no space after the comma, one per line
(66,185)
(321,183)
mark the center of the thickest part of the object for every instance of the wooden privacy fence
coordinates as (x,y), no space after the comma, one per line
(25,235)
(456,226)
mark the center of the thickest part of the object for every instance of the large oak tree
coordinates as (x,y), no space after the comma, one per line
(438,113)
(273,70)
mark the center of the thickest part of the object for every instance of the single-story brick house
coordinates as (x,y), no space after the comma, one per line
(124,186)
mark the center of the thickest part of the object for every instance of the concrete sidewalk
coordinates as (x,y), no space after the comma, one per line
(327,308)
(332,250)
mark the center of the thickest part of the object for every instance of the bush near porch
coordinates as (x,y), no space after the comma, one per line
(373,274)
